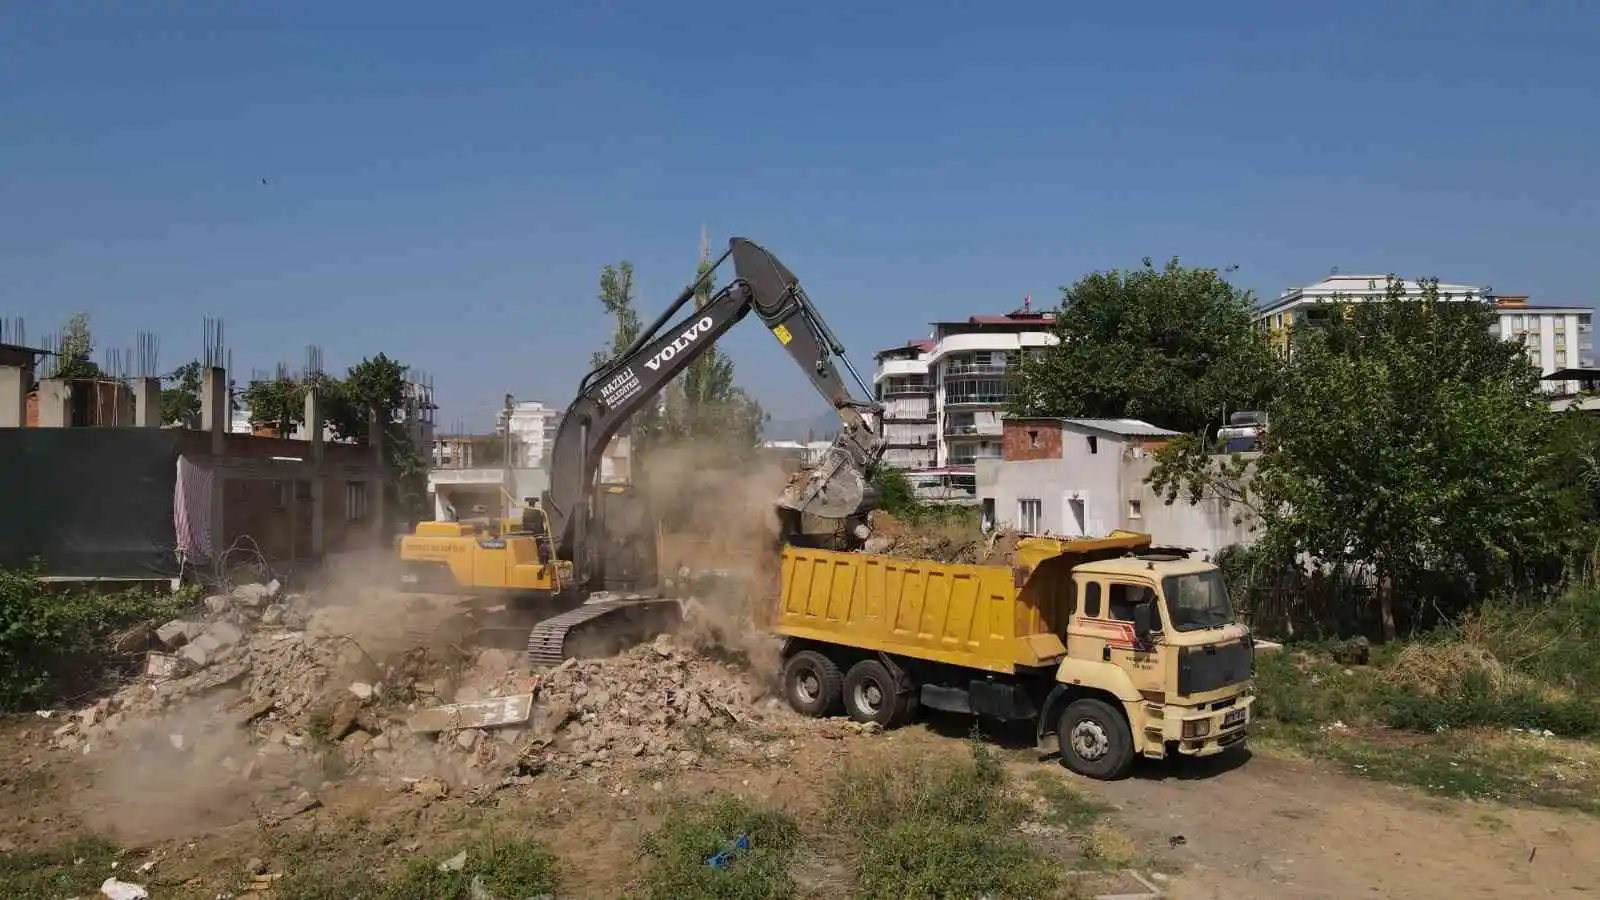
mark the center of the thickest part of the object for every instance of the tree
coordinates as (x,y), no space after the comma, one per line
(180,404)
(77,350)
(1176,347)
(1409,441)
(278,403)
(705,404)
(617,296)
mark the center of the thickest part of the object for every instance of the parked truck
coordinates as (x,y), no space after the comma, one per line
(1114,647)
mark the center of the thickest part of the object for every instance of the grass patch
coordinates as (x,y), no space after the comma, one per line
(1062,806)
(1466,765)
(75,869)
(692,833)
(508,868)
(940,828)
(1442,713)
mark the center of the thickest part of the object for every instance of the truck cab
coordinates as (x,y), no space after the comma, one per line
(1156,631)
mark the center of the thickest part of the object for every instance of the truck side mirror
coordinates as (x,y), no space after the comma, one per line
(1143,619)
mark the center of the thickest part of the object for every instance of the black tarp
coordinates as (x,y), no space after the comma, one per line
(89,501)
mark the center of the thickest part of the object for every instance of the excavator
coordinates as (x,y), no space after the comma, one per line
(577,572)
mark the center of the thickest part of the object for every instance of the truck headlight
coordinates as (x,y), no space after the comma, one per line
(1196,728)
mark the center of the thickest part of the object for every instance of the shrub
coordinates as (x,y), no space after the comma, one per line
(51,639)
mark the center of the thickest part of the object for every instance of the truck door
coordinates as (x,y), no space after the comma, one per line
(1103,630)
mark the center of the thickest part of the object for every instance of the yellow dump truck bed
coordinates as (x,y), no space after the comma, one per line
(989,617)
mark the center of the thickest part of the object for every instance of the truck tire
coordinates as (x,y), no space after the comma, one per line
(1095,740)
(870,695)
(812,683)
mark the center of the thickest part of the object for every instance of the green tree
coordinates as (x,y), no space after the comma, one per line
(77,350)
(180,403)
(705,404)
(277,403)
(378,385)
(618,298)
(1409,441)
(1176,347)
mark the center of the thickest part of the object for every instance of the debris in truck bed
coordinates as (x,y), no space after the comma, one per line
(950,542)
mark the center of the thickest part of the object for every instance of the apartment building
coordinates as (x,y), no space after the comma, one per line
(944,396)
(1554,337)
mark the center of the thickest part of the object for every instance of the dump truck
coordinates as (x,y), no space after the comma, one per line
(1116,648)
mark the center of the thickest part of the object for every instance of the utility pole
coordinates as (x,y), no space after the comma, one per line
(509,484)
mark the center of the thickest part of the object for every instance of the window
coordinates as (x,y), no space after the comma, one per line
(1133,510)
(355,501)
(1094,444)
(281,495)
(1030,516)
(1033,438)
(1124,598)
(1091,600)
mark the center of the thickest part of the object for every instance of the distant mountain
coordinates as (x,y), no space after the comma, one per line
(821,427)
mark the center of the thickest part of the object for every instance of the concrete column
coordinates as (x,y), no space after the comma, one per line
(147,402)
(215,413)
(379,497)
(14,384)
(55,403)
(319,492)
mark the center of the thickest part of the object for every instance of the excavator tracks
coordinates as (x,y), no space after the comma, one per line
(601,626)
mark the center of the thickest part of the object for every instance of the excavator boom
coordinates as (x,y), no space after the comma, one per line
(611,394)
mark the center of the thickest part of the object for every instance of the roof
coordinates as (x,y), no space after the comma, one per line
(1017,319)
(920,345)
(1122,427)
(1356,287)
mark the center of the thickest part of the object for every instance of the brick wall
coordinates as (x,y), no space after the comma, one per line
(1024,439)
(277,514)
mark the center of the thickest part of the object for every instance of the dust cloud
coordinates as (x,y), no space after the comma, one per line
(719,544)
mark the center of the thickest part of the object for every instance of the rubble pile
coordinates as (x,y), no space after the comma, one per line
(249,640)
(941,542)
(660,704)
(245,686)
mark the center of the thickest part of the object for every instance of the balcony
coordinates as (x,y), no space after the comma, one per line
(971,430)
(907,388)
(981,398)
(971,460)
(969,370)
(920,419)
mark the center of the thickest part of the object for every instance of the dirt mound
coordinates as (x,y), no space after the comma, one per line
(950,542)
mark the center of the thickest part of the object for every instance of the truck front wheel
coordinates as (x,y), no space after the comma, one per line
(871,695)
(811,682)
(1095,740)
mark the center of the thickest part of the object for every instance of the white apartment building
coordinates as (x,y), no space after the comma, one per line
(944,396)
(533,432)
(1554,337)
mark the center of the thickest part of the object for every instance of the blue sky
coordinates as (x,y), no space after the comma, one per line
(445,181)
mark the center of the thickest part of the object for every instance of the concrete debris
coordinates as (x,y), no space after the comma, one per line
(123,890)
(489,713)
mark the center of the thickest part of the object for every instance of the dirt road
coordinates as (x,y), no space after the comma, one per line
(1280,828)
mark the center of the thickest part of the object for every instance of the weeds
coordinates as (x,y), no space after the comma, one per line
(694,832)
(505,868)
(1433,713)
(52,640)
(946,828)
(75,869)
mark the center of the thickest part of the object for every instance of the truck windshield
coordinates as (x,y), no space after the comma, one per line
(1197,600)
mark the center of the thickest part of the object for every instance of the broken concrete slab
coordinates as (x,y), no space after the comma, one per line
(176,633)
(220,635)
(491,713)
(194,655)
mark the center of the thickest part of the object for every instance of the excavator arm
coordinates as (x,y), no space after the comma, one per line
(611,394)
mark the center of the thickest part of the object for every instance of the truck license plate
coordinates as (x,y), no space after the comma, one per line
(1234,717)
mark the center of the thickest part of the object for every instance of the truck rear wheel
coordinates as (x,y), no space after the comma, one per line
(1095,740)
(812,683)
(870,695)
